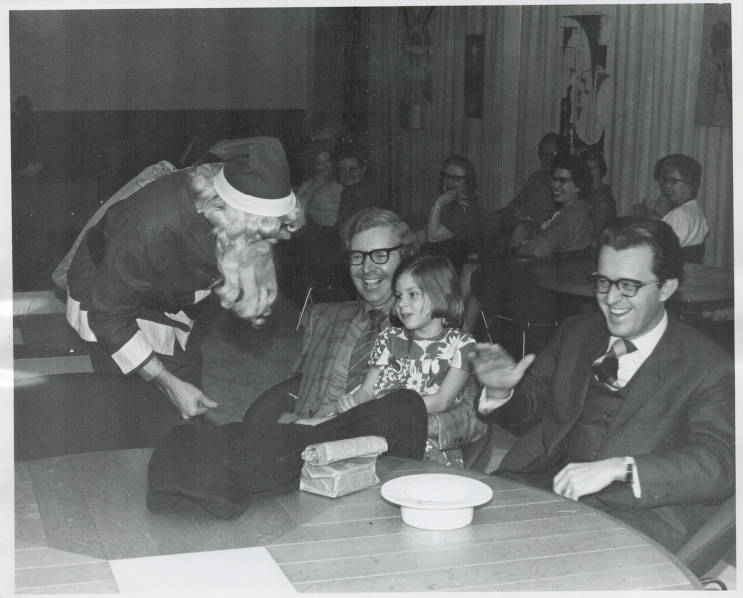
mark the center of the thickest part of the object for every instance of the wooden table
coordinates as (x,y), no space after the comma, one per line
(701,283)
(90,508)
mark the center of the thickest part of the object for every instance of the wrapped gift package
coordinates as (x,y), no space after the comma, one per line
(340,467)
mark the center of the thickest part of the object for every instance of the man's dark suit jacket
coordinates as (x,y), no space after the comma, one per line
(676,420)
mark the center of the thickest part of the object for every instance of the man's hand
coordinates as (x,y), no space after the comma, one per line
(346,402)
(580,479)
(188,399)
(496,369)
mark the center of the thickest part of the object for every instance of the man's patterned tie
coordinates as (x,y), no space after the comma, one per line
(357,365)
(606,366)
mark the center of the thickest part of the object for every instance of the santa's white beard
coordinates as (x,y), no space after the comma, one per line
(250,286)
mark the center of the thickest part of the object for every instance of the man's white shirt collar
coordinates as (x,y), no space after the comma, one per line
(645,343)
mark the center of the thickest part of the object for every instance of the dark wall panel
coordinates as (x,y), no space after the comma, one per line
(218,59)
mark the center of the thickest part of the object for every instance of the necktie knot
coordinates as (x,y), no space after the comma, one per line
(622,347)
(376,316)
(606,367)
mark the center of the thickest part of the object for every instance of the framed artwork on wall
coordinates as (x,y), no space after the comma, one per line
(474,74)
(715,91)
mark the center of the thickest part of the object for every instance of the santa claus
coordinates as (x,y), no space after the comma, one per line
(141,275)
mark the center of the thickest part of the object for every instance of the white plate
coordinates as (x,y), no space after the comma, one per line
(436,491)
(436,501)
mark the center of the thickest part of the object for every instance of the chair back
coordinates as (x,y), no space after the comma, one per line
(712,541)
(693,253)
(321,294)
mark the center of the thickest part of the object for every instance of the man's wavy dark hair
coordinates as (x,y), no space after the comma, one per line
(632,231)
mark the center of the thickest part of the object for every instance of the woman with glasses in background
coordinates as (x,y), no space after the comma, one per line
(453,223)
(678,177)
(569,228)
(505,286)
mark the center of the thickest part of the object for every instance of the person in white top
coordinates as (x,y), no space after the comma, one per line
(678,177)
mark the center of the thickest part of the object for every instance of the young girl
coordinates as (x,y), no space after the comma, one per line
(428,355)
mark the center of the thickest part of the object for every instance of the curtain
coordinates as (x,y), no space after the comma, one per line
(655,58)
(326,54)
(408,159)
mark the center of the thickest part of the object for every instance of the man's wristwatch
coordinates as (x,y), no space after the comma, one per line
(629,471)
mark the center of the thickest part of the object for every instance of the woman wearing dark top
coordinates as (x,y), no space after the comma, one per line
(601,202)
(505,286)
(453,224)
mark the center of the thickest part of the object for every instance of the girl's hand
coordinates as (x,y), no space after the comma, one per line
(313,421)
(346,402)
(436,403)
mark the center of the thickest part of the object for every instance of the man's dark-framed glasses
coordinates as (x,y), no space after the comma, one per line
(453,177)
(378,256)
(628,287)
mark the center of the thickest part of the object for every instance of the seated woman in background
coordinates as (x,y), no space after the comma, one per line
(358,193)
(320,197)
(601,202)
(505,285)
(429,353)
(678,177)
(453,224)
(321,194)
(569,227)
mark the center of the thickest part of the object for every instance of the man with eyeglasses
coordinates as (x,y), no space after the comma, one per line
(630,410)
(334,355)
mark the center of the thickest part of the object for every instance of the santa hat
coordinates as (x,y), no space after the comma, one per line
(258,181)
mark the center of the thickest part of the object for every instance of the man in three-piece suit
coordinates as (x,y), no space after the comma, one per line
(642,428)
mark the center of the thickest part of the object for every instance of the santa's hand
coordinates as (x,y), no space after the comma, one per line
(186,397)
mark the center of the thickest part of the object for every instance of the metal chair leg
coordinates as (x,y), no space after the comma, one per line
(487,328)
(307,301)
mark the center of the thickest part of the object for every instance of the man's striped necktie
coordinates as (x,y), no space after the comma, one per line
(358,364)
(605,367)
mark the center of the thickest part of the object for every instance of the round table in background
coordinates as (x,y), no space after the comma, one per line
(701,284)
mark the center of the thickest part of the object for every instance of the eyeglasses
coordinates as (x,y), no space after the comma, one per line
(453,177)
(628,287)
(670,180)
(562,180)
(378,256)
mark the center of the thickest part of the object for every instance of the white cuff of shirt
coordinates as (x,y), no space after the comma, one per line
(636,488)
(493,404)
